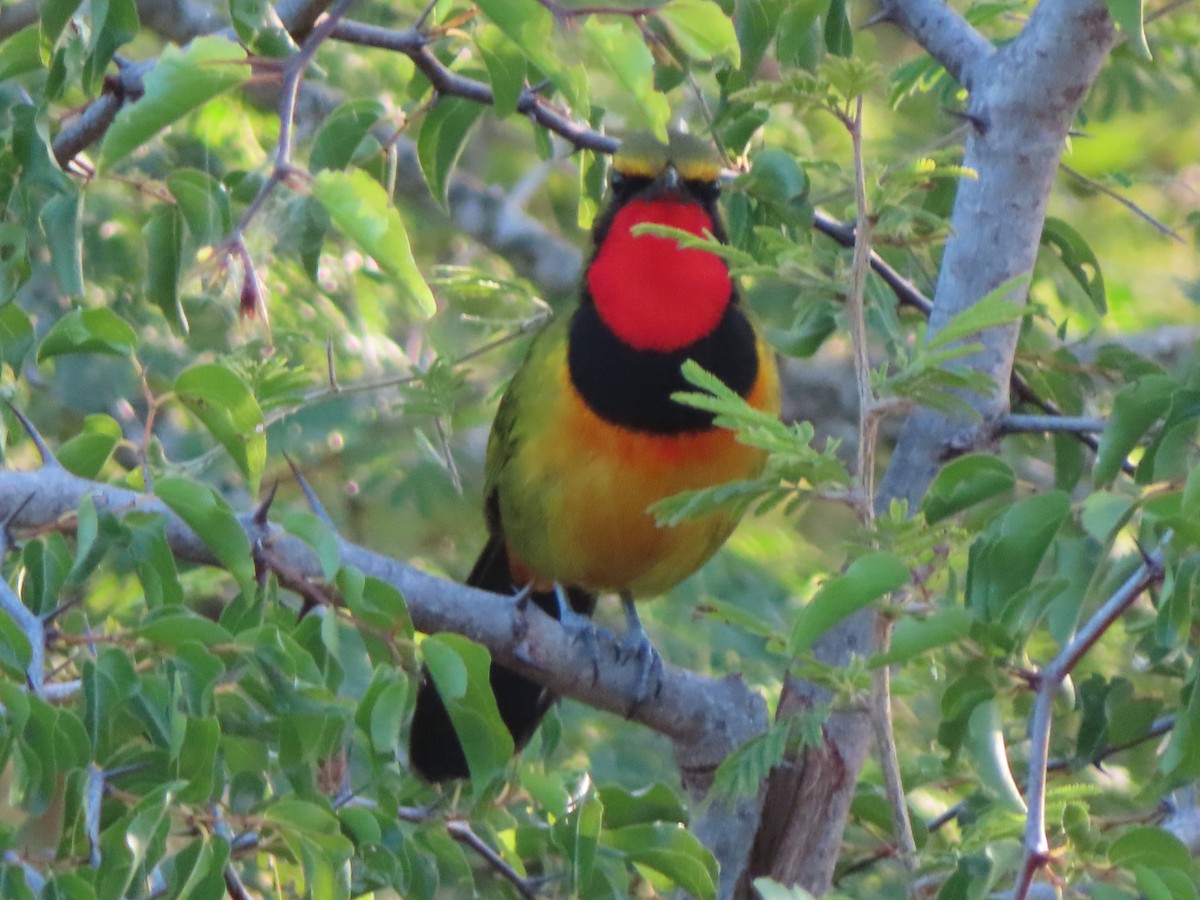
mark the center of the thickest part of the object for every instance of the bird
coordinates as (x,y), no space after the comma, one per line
(588,436)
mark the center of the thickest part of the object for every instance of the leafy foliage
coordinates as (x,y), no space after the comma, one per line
(194,725)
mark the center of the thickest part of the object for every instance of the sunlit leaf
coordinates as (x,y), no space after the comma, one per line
(702,29)
(442,140)
(359,206)
(865,580)
(214,523)
(180,82)
(341,133)
(223,402)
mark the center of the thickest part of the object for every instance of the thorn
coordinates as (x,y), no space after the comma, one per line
(884,16)
(333,382)
(978,122)
(48,459)
(6,541)
(260,513)
(1147,559)
(309,494)
(49,617)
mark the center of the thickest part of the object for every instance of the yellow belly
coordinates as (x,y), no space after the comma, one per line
(574,495)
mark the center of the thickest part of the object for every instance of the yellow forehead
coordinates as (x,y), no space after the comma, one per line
(641,154)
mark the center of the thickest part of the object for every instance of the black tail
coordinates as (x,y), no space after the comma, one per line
(433,747)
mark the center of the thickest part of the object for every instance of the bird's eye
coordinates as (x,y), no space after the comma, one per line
(615,180)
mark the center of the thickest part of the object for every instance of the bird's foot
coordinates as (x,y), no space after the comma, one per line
(582,629)
(636,646)
(520,623)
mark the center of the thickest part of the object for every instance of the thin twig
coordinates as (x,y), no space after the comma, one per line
(1015,423)
(460,830)
(868,423)
(869,415)
(1049,680)
(1160,227)
(333,389)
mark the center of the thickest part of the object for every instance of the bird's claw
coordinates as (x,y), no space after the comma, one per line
(636,646)
(581,629)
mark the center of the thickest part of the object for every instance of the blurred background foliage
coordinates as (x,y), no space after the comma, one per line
(497,211)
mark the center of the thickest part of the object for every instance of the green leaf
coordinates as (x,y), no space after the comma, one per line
(20,53)
(621,47)
(776,177)
(992,310)
(1103,512)
(756,22)
(1135,409)
(1145,845)
(55,15)
(361,825)
(461,669)
(442,139)
(87,452)
(505,67)
(223,402)
(702,30)
(60,219)
(164,249)
(773,890)
(913,636)
(260,28)
(965,481)
(204,203)
(181,81)
(1003,561)
(577,833)
(342,132)
(359,206)
(1078,258)
(214,523)
(16,336)
(114,23)
(174,626)
(197,760)
(302,816)
(89,331)
(865,580)
(670,849)
(1131,20)
(839,35)
(986,748)
(387,715)
(653,803)
(1191,490)
(530,26)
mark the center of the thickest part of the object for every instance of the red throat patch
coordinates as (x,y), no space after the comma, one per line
(652,293)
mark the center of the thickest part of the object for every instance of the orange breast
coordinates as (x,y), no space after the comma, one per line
(576,493)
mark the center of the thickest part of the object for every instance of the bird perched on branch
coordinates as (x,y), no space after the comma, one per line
(587,435)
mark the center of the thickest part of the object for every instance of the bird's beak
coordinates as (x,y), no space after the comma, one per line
(669,181)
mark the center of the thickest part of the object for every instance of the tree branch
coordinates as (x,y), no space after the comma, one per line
(1022,424)
(943,32)
(1049,680)
(706,718)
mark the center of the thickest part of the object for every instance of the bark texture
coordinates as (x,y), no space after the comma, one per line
(1023,99)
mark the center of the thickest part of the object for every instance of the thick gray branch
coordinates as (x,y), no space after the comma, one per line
(706,718)
(1023,99)
(943,32)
